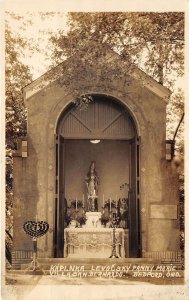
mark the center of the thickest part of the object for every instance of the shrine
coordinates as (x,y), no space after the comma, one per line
(99,176)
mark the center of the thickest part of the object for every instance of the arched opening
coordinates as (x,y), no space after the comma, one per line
(116,155)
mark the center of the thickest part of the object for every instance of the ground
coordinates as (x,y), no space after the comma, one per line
(20,286)
(20,278)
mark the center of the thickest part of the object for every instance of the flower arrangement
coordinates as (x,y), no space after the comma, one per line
(105,219)
(81,219)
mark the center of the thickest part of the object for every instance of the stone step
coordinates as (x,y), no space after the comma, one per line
(98,260)
(47,263)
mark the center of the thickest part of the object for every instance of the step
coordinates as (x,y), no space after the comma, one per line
(69,263)
(96,261)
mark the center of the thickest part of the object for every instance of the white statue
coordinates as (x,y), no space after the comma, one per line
(92,182)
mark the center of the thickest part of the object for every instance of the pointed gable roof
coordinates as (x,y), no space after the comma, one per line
(137,74)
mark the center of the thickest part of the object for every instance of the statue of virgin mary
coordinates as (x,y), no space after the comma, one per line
(92,182)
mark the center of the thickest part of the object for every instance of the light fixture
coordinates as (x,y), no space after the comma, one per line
(95,141)
(170,147)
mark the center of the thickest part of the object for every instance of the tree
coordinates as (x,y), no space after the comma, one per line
(152,41)
(175,131)
(17,75)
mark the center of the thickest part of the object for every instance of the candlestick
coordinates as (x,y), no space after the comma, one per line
(83,203)
(116,208)
(36,219)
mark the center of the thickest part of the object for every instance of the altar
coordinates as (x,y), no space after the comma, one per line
(94,242)
(91,233)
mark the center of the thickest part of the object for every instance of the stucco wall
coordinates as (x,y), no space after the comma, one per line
(156,184)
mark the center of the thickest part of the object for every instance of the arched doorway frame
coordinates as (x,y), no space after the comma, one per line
(108,96)
(134,192)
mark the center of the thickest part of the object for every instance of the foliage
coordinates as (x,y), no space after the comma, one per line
(17,75)
(157,38)
(175,110)
(152,41)
(9,225)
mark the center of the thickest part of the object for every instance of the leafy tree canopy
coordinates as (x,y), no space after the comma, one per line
(152,41)
(17,75)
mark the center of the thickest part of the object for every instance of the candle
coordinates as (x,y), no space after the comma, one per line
(110,205)
(116,200)
(76,203)
(37,222)
(103,201)
(83,201)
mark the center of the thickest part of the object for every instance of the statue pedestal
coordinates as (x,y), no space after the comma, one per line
(93,219)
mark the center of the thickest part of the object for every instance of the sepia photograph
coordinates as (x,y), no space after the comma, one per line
(94,151)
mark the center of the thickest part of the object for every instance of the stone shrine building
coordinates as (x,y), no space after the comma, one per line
(123,131)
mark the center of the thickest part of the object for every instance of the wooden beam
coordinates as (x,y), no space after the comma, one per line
(81,121)
(112,121)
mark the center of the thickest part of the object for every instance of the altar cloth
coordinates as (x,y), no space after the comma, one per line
(93,242)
